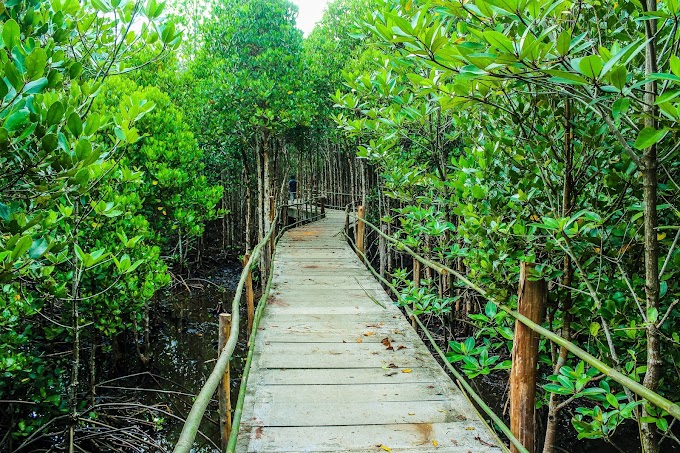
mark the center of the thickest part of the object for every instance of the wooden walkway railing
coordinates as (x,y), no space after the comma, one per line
(337,367)
(312,327)
(314,210)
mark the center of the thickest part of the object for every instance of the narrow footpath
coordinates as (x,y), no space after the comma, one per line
(337,367)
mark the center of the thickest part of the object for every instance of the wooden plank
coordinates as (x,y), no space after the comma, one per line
(449,437)
(312,377)
(326,333)
(339,394)
(359,413)
(322,379)
(337,355)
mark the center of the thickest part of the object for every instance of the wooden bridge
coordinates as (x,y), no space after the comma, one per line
(337,367)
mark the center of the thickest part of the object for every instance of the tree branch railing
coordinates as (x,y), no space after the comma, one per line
(193,420)
(643,392)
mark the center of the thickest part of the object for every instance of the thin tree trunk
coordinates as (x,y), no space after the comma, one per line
(649,169)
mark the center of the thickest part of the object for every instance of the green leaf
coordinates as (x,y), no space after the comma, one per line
(38,249)
(620,107)
(74,124)
(22,246)
(10,33)
(618,77)
(35,63)
(652,314)
(55,113)
(667,96)
(16,120)
(648,137)
(5,212)
(36,87)
(565,77)
(594,328)
(611,399)
(564,42)
(499,41)
(591,66)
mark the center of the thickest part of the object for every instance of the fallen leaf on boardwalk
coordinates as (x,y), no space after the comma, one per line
(386,342)
(412,413)
(368,334)
(470,428)
(401,347)
(435,443)
(484,442)
(445,412)
(406,370)
(384,447)
(392,365)
(388,374)
(376,324)
(398,332)
(359,340)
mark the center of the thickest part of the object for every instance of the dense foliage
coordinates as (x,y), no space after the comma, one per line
(545,132)
(488,132)
(100,178)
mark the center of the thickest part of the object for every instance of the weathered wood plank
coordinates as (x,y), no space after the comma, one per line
(323,380)
(449,438)
(315,376)
(339,394)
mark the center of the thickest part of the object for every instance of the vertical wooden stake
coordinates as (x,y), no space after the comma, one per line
(531,303)
(225,387)
(323,206)
(250,295)
(416,285)
(382,247)
(272,216)
(361,227)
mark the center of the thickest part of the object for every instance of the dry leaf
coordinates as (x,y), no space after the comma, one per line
(470,428)
(368,334)
(386,342)
(435,443)
(412,413)
(385,447)
(401,347)
(392,365)
(360,340)
(406,370)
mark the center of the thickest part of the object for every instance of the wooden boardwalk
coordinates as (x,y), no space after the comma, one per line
(337,367)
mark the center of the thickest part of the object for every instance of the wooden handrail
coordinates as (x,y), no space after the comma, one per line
(193,420)
(672,408)
(461,380)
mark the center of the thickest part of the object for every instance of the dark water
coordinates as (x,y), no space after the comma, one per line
(184,342)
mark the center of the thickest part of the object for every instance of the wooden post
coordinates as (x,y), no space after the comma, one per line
(250,295)
(323,206)
(361,228)
(416,285)
(272,216)
(531,303)
(225,387)
(382,246)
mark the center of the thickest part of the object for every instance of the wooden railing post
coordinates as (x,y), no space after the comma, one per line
(416,285)
(361,229)
(323,206)
(250,295)
(531,303)
(272,215)
(225,387)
